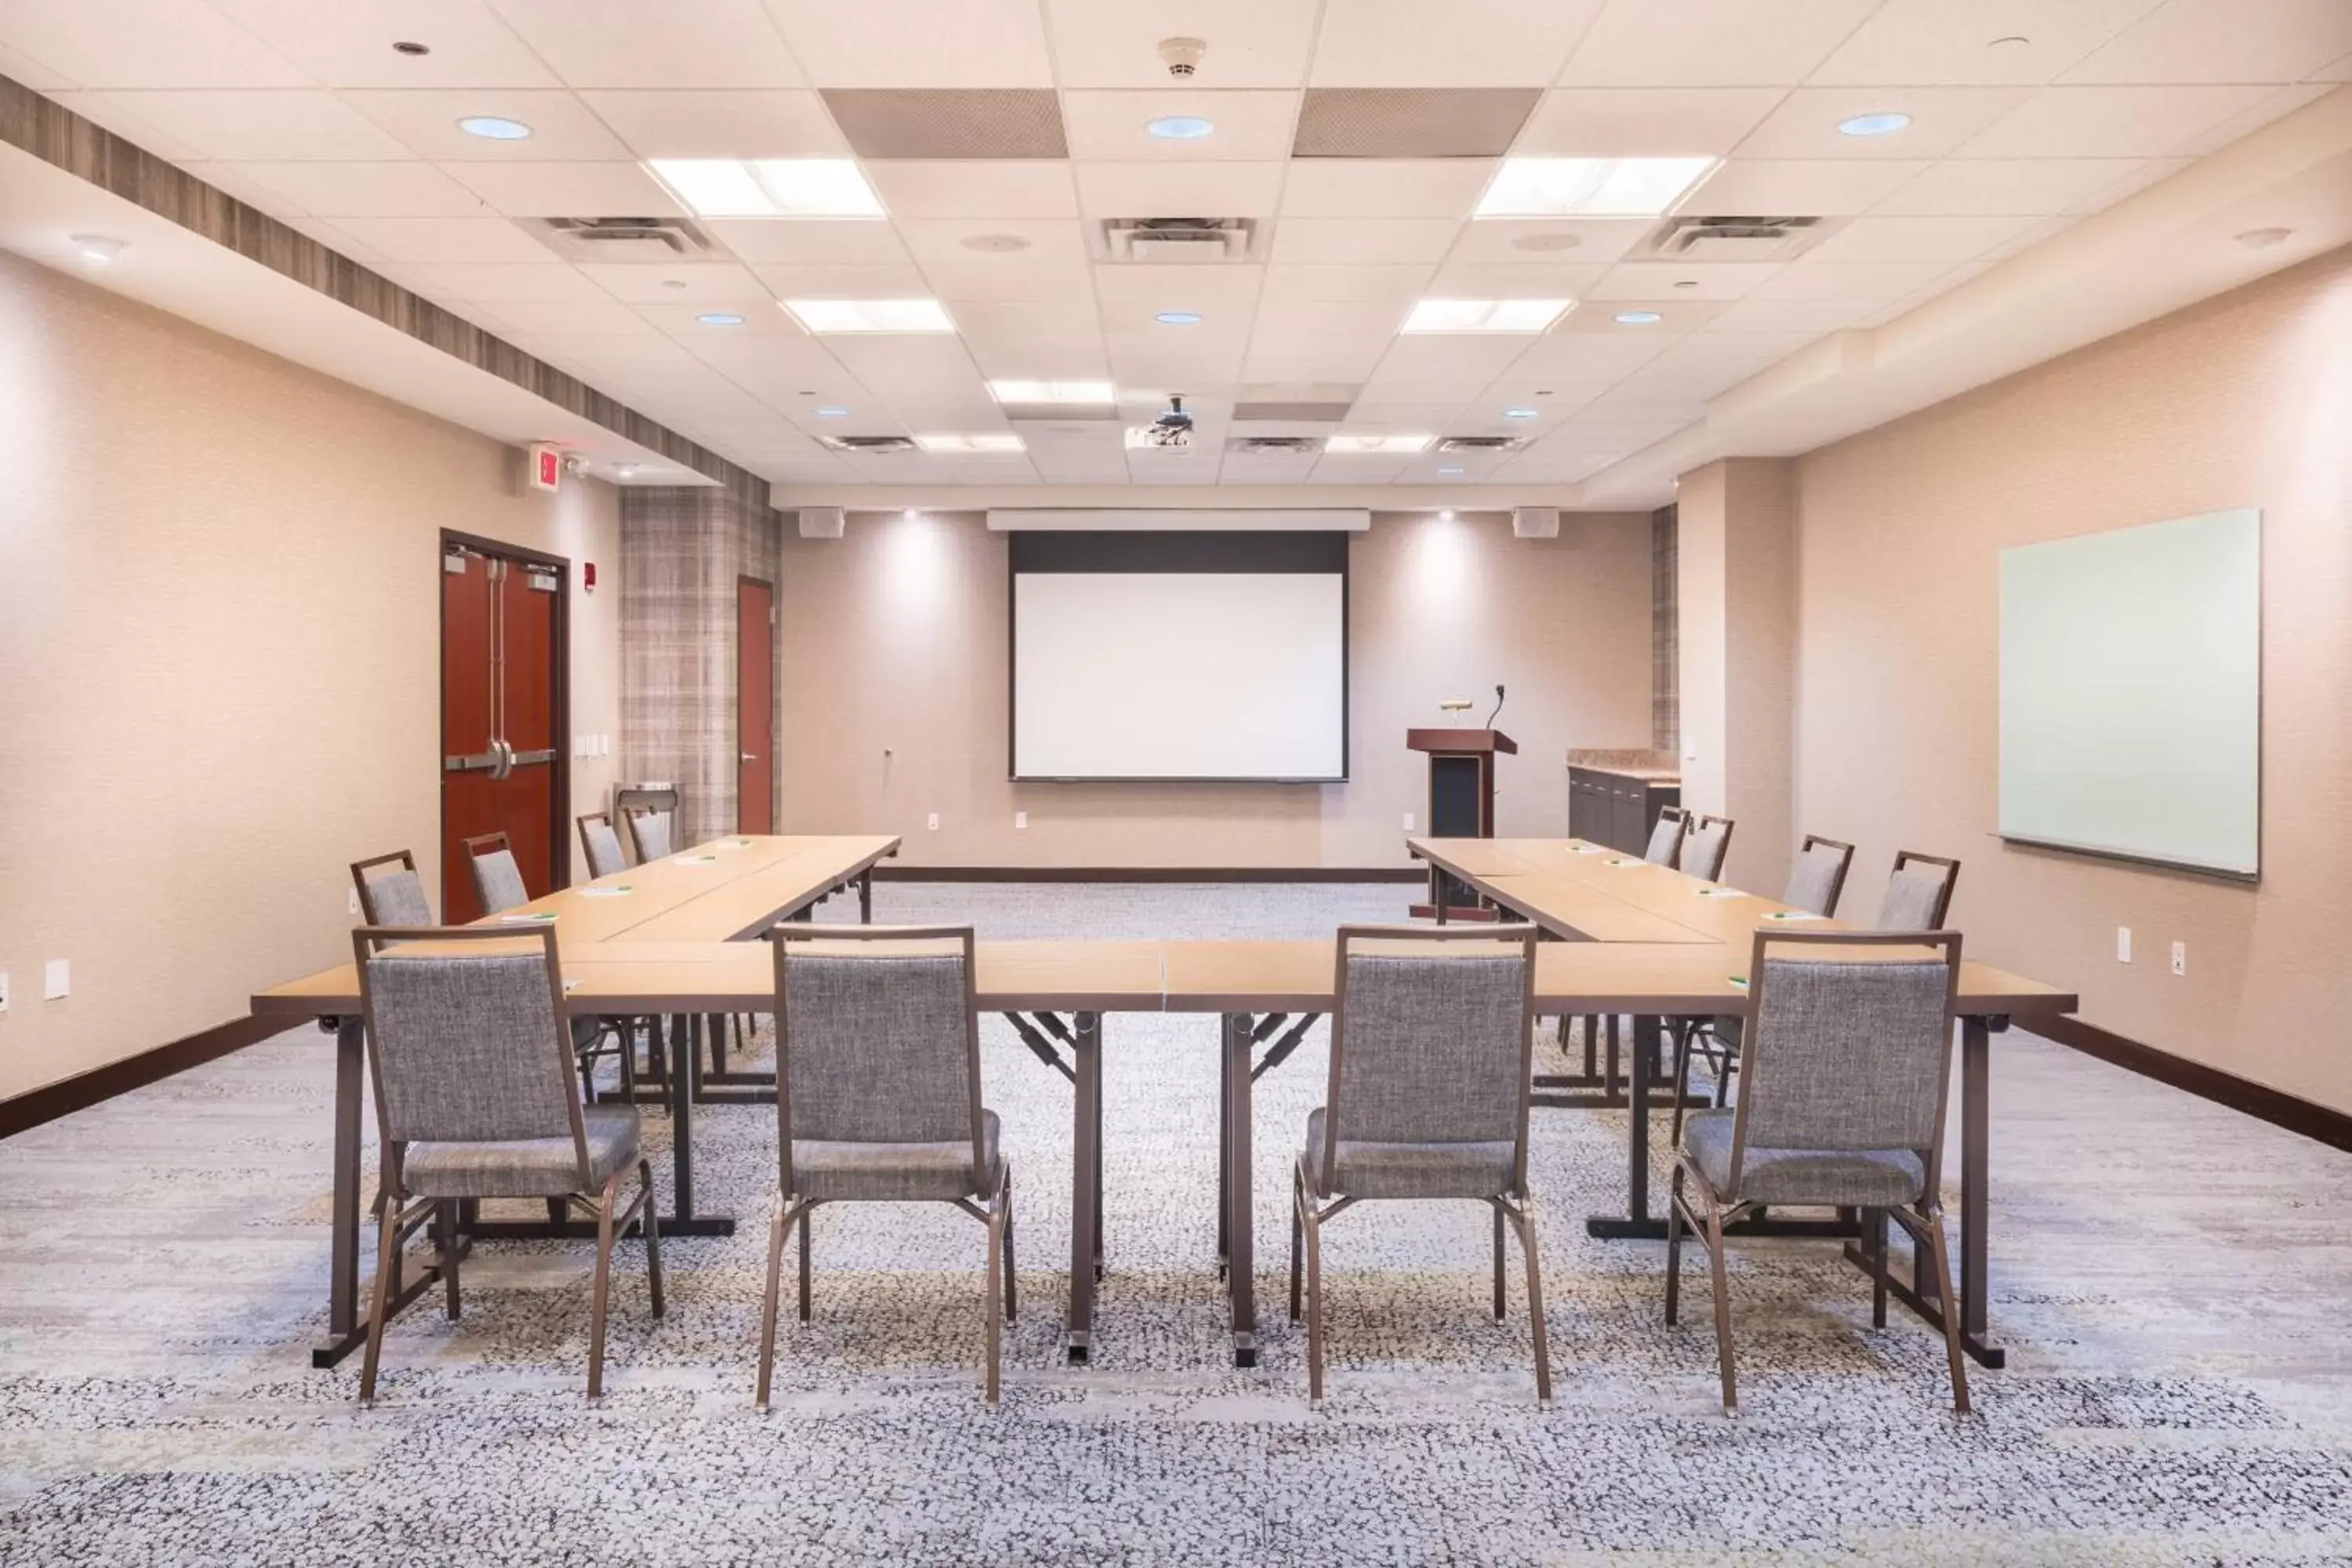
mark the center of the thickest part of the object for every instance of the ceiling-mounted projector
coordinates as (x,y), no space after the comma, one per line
(1172,428)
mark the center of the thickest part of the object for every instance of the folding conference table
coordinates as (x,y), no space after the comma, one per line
(1631,954)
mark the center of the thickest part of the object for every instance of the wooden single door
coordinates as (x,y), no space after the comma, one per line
(501,722)
(755,698)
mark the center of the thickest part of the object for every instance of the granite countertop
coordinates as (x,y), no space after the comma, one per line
(1626,761)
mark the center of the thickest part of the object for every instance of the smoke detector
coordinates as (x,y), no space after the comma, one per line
(1183,56)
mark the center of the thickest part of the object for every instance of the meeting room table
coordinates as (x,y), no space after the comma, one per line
(1637,940)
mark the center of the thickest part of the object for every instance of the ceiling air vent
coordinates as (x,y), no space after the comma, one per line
(655,239)
(1194,239)
(1480,444)
(869,443)
(1275,445)
(1694,238)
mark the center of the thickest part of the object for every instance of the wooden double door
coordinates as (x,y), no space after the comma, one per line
(503,731)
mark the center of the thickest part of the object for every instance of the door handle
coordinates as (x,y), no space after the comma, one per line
(749,757)
(506,759)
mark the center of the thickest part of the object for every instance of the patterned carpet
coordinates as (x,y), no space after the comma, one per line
(2171,1277)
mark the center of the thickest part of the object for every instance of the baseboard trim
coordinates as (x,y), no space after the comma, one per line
(83,1090)
(2259,1101)
(887,873)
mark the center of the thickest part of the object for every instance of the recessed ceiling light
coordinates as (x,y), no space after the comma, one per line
(1518,413)
(834,412)
(1382,446)
(1589,187)
(991,442)
(1177,318)
(1885,123)
(98,249)
(410,46)
(1484,315)
(1052,392)
(768,187)
(826,316)
(1451,470)
(2263,238)
(1180,127)
(1639,318)
(720,319)
(494,128)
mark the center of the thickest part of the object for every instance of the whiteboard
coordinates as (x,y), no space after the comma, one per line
(2131,692)
(1179,674)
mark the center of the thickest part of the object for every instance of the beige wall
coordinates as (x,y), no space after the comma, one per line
(1737,612)
(894,647)
(2245,400)
(219,602)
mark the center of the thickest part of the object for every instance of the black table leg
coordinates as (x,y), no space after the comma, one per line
(1241,1268)
(1086,1184)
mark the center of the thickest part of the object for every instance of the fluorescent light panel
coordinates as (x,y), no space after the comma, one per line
(1484,315)
(826,316)
(1589,187)
(768,187)
(989,443)
(1037,392)
(1380,446)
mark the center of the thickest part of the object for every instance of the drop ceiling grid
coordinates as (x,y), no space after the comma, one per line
(306,114)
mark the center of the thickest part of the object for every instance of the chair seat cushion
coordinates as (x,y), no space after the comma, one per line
(824,1172)
(1452,1170)
(524,1167)
(1874,1178)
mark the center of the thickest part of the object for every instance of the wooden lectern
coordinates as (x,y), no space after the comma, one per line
(1461,805)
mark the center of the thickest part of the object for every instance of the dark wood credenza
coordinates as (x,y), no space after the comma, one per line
(1618,808)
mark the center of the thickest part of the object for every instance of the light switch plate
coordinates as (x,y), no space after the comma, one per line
(2180,958)
(2123,944)
(934,821)
(56,979)
(1407,822)
(1020,819)
(352,896)
(3,991)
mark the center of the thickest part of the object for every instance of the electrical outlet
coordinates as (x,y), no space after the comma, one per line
(1020,819)
(3,991)
(352,898)
(2180,958)
(57,980)
(2123,944)
(934,821)
(1407,822)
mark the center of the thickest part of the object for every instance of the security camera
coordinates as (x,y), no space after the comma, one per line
(1182,55)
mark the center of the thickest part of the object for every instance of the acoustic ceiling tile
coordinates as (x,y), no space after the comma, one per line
(972,242)
(119,44)
(843,280)
(2110,122)
(684,43)
(1946,239)
(2222,41)
(1938,43)
(1249,125)
(437,241)
(840,242)
(425,122)
(1682,279)
(1539,242)
(566,190)
(1820,187)
(255,126)
(1805,125)
(1468,43)
(1362,241)
(727,123)
(1384,187)
(988,280)
(917,43)
(1999,186)
(1215,291)
(1394,284)
(1644,121)
(1710,43)
(719,283)
(959,188)
(1252,43)
(349,43)
(1179,190)
(406,189)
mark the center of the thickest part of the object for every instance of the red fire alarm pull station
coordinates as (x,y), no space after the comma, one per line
(588,575)
(546,467)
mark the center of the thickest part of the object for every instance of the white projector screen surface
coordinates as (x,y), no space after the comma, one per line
(1179,674)
(2131,693)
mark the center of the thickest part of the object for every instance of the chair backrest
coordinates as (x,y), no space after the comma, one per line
(1819,875)
(1920,892)
(1666,847)
(600,845)
(467,1047)
(394,897)
(1844,1050)
(662,800)
(877,1038)
(650,831)
(1430,1046)
(1703,852)
(497,878)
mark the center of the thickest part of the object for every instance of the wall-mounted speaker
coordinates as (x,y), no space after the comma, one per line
(1527,521)
(822,521)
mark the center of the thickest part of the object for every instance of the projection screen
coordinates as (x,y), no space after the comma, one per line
(2131,693)
(1175,656)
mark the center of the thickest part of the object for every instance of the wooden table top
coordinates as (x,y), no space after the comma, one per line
(1651,942)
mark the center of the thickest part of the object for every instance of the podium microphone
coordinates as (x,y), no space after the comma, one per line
(1498,705)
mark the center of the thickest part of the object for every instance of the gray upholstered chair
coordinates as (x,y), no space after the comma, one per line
(390,892)
(601,845)
(497,876)
(1704,849)
(877,1098)
(477,1096)
(1428,1099)
(1842,1105)
(1666,847)
(1815,881)
(649,832)
(1918,892)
